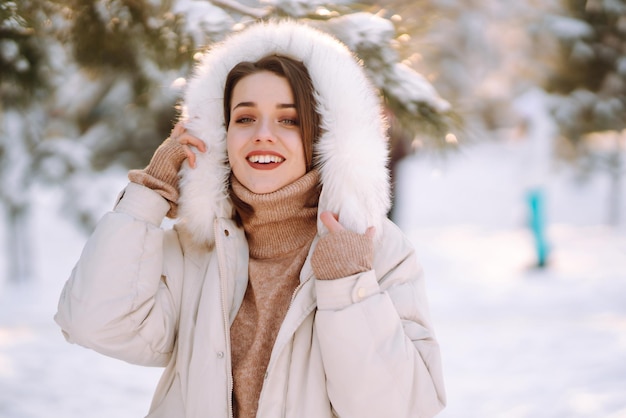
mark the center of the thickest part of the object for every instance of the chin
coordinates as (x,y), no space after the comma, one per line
(264,189)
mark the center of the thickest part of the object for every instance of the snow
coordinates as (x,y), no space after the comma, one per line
(566,27)
(412,89)
(299,8)
(9,50)
(517,342)
(202,19)
(373,37)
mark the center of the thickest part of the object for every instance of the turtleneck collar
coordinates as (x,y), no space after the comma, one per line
(284,220)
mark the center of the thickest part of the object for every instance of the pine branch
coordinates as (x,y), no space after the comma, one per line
(234,5)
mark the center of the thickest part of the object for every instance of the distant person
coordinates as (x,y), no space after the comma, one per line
(538,132)
(282,290)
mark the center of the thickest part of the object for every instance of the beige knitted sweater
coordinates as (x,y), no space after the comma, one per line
(279,235)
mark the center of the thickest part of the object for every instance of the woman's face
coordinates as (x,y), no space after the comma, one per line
(264,143)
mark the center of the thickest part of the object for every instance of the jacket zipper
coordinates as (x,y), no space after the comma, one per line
(226,322)
(293,297)
(297,289)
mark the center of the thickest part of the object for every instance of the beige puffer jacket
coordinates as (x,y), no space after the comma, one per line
(359,346)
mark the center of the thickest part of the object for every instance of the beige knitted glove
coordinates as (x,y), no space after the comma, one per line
(341,254)
(161,174)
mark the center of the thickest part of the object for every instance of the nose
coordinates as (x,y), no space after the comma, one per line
(264,132)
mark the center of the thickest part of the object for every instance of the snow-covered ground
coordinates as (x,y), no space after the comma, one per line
(517,342)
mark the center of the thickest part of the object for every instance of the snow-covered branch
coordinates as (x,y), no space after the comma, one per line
(234,5)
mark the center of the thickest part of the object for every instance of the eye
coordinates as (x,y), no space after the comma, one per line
(244,120)
(290,122)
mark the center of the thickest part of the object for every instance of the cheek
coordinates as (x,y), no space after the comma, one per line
(231,149)
(298,149)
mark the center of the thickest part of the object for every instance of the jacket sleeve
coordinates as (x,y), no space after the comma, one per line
(122,298)
(380,355)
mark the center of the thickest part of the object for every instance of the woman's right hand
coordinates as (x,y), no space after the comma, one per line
(179,134)
(162,173)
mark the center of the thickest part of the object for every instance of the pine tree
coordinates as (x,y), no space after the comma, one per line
(23,86)
(590,85)
(91,85)
(130,52)
(480,55)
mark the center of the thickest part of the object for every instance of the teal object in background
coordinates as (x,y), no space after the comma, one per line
(537,221)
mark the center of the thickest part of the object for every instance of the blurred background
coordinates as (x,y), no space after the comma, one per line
(508,156)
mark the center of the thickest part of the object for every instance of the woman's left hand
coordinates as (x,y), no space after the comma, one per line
(342,252)
(331,221)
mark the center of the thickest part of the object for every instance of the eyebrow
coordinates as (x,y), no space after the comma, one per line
(253,104)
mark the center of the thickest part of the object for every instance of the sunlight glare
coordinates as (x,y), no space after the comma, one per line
(179,83)
(451,138)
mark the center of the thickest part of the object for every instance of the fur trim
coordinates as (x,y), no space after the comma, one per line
(351,154)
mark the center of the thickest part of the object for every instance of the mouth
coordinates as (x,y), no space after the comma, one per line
(264,160)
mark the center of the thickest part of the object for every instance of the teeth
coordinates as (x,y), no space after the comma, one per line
(265,159)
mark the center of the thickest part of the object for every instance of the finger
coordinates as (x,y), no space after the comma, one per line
(178,130)
(329,219)
(191,156)
(188,139)
(370,232)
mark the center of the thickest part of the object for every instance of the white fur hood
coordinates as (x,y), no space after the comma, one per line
(351,154)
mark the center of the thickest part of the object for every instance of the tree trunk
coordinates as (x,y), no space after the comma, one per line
(616,171)
(615,193)
(18,244)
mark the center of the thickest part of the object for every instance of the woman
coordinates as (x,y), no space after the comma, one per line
(282,291)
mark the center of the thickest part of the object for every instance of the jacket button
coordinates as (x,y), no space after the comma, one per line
(361,293)
(220,354)
(226,232)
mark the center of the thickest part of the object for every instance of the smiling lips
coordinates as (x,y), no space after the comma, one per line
(264,160)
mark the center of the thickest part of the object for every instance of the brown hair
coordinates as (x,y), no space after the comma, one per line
(301,85)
